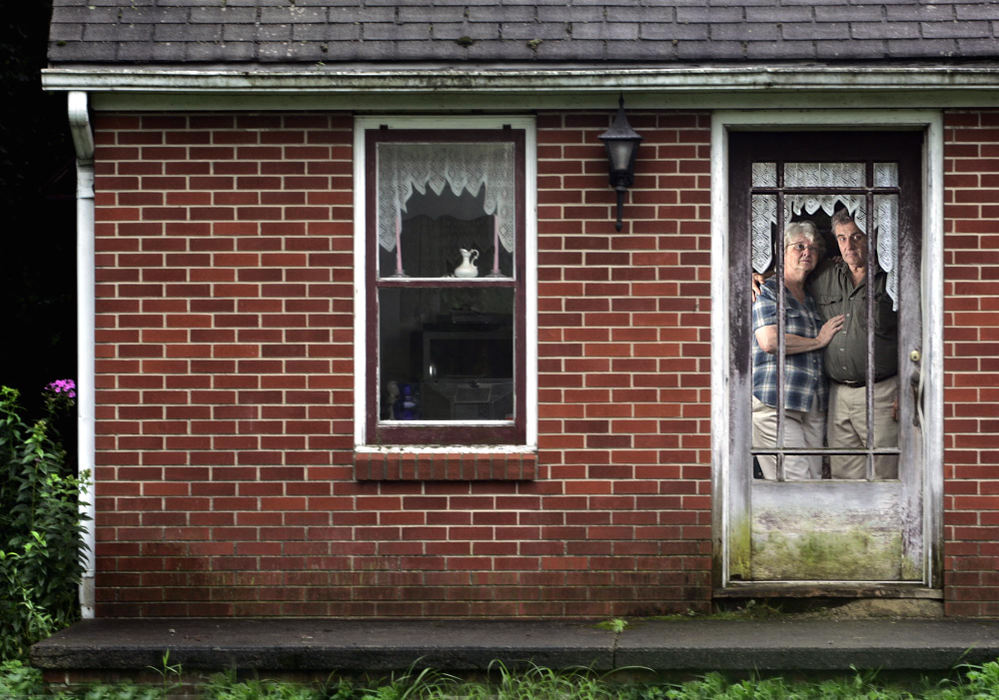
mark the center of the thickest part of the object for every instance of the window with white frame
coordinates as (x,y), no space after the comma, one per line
(445,304)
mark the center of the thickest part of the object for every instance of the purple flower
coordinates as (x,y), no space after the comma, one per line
(63,386)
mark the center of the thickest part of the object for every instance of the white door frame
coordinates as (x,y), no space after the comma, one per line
(931,123)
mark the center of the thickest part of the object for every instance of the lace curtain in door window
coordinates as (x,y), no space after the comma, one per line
(405,168)
(829,176)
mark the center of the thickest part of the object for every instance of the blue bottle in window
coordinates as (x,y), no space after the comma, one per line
(405,407)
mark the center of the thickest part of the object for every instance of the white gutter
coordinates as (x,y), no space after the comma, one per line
(83,142)
(432,89)
(318,78)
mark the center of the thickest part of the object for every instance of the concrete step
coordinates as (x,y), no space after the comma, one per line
(120,646)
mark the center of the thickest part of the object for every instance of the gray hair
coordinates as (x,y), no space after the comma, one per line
(842,218)
(806,229)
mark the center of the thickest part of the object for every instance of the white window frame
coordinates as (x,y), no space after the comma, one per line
(931,121)
(444,122)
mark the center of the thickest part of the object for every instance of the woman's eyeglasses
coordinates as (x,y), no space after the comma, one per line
(800,248)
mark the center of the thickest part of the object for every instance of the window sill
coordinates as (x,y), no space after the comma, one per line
(387,464)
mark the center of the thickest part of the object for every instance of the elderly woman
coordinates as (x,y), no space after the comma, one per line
(804,382)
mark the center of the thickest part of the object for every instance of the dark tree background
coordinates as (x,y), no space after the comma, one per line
(37,187)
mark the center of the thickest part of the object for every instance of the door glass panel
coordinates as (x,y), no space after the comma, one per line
(764,223)
(799,394)
(886,230)
(823,175)
(764,174)
(886,174)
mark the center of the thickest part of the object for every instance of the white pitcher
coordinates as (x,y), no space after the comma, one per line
(467,267)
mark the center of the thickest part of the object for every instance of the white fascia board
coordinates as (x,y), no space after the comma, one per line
(493,88)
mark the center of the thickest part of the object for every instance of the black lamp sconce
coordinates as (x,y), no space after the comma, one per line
(622,145)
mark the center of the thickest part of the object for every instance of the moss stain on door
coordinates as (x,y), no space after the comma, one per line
(828,531)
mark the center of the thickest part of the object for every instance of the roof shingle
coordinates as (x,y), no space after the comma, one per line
(583,31)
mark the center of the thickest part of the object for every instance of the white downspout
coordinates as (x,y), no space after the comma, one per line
(83,142)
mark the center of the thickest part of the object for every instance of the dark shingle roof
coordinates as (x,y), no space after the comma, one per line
(563,31)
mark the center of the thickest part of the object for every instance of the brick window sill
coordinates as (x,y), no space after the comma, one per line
(416,465)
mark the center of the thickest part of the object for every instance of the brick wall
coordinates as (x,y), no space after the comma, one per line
(624,353)
(223,360)
(224,330)
(225,473)
(971,351)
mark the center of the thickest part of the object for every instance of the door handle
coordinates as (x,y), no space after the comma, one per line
(916,386)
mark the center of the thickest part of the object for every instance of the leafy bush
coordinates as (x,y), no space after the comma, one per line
(20,681)
(536,683)
(224,686)
(41,558)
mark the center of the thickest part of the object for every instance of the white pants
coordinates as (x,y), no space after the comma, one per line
(801,429)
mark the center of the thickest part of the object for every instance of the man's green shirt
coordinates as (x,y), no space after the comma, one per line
(832,287)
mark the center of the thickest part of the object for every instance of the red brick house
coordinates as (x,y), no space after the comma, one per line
(360,337)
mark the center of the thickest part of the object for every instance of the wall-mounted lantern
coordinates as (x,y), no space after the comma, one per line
(622,145)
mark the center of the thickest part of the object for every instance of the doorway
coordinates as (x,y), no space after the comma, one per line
(856,518)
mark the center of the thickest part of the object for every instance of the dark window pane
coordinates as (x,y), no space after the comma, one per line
(446,353)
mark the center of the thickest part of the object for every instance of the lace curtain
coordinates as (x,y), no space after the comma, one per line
(831,176)
(407,167)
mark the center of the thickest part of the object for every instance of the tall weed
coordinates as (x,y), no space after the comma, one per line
(225,686)
(41,555)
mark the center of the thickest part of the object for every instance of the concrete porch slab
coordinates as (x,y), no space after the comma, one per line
(296,645)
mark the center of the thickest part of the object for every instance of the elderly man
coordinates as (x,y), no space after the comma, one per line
(841,287)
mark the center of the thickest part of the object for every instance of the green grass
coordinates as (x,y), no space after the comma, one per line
(21,682)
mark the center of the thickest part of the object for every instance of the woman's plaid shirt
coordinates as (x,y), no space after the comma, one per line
(804,376)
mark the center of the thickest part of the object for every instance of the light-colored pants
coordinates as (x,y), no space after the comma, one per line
(801,429)
(848,428)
